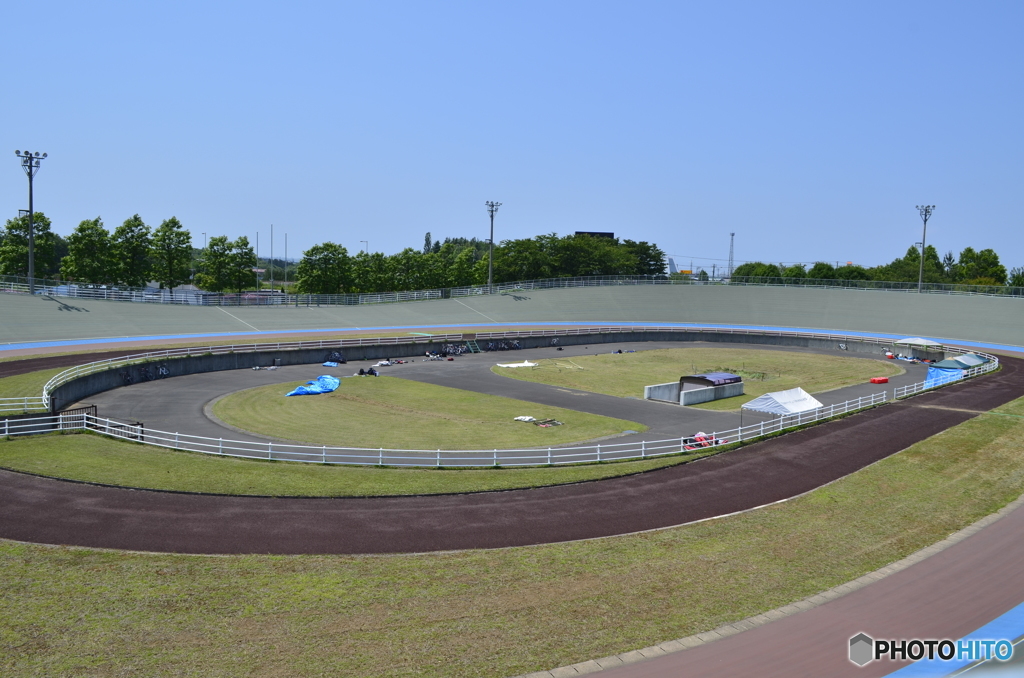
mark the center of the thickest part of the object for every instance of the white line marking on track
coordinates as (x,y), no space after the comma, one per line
(240,320)
(471,309)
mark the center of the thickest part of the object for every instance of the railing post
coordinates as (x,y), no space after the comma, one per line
(762,428)
(643,449)
(323,455)
(599,451)
(270,450)
(495,457)
(438,458)
(176,440)
(380,459)
(549,456)
(220,446)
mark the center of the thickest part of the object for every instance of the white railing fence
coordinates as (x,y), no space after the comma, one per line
(22,405)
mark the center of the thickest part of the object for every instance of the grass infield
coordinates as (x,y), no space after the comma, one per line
(625,375)
(107,461)
(70,611)
(399,414)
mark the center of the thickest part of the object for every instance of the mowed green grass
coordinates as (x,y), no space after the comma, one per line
(399,414)
(68,611)
(97,459)
(625,375)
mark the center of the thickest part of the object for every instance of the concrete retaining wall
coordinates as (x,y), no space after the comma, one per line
(706,395)
(667,392)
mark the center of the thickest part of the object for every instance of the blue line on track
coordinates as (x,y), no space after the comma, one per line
(166,337)
(1008,626)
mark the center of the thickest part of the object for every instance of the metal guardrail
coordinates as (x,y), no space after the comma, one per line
(14,285)
(324,454)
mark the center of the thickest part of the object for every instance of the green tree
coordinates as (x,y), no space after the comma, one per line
(371,273)
(459,273)
(756,269)
(242,261)
(89,254)
(650,259)
(586,255)
(14,246)
(172,254)
(132,246)
(521,260)
(852,272)
(908,268)
(795,271)
(974,266)
(1016,277)
(822,271)
(215,265)
(324,269)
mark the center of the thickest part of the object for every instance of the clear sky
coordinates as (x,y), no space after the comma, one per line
(809,129)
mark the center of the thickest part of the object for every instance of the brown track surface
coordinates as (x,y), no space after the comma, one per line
(12,368)
(56,512)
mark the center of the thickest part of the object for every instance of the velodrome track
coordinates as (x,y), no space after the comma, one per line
(980,578)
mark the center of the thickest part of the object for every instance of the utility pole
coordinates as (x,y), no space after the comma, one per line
(366,246)
(492,207)
(732,238)
(286,262)
(926,213)
(30,163)
(257,271)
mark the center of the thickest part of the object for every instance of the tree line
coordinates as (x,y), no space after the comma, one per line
(328,268)
(133,255)
(972,267)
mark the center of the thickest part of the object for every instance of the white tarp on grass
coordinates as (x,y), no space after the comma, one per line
(793,401)
(525,363)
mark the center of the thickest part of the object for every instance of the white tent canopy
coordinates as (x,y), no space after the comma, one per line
(793,401)
(918,341)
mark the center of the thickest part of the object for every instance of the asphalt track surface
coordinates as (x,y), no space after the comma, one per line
(56,512)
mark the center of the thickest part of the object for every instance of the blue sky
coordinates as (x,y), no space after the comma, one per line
(811,130)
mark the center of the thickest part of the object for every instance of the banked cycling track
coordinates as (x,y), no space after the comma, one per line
(48,511)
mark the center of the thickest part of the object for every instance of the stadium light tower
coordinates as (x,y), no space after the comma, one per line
(492,207)
(30,163)
(926,213)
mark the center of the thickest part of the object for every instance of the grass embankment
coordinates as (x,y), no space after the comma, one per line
(625,375)
(96,459)
(29,384)
(399,414)
(83,612)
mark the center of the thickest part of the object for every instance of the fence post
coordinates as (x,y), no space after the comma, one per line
(438,457)
(549,456)
(762,428)
(599,451)
(495,457)
(643,449)
(270,450)
(176,440)
(323,455)
(380,459)
(220,446)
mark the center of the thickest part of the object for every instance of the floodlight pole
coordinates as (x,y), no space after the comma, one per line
(30,163)
(926,213)
(492,207)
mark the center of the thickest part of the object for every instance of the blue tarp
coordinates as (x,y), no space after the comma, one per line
(323,384)
(937,376)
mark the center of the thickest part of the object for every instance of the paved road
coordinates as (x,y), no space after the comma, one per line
(48,511)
